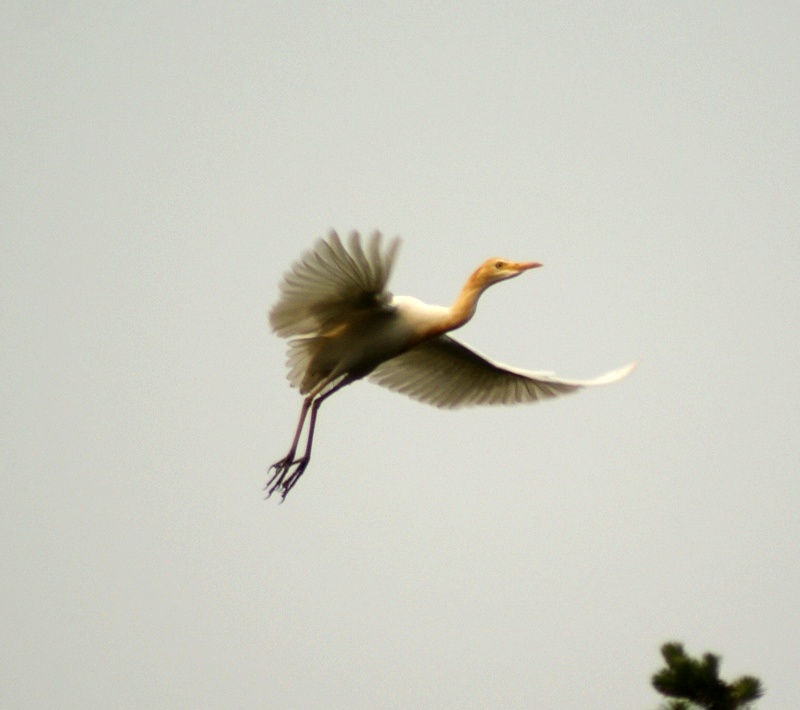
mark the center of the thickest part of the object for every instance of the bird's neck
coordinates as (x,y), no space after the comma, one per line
(464,306)
(447,319)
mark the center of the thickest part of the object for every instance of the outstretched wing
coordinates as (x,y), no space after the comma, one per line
(331,282)
(446,373)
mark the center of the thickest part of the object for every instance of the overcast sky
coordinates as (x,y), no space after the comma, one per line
(162,166)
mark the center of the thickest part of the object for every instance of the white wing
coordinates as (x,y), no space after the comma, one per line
(446,373)
(331,283)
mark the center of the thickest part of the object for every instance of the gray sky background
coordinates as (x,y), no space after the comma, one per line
(162,167)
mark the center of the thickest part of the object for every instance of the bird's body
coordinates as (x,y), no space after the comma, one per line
(421,317)
(355,348)
(345,326)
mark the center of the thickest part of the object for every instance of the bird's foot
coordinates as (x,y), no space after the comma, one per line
(287,472)
(300,466)
(280,468)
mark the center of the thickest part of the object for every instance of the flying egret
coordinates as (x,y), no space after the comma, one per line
(344,325)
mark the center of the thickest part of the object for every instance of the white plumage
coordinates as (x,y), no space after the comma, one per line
(344,325)
(446,373)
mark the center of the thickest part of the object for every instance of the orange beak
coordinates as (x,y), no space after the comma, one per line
(525,265)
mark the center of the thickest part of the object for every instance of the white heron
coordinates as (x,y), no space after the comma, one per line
(344,325)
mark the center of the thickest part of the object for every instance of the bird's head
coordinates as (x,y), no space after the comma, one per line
(493,270)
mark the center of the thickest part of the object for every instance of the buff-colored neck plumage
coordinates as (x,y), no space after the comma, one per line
(490,272)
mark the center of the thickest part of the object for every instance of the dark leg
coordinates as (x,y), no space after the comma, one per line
(282,467)
(304,460)
(286,483)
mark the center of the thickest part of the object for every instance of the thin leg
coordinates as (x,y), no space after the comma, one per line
(304,460)
(286,483)
(282,467)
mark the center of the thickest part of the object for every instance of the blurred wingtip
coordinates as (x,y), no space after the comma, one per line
(615,375)
(622,372)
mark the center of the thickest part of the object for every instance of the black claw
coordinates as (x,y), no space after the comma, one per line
(284,478)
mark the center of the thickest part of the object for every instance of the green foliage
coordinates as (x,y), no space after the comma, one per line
(695,683)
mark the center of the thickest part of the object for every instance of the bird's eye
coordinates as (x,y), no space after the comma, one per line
(499,265)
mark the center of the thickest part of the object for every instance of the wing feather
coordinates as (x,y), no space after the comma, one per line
(446,373)
(331,282)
